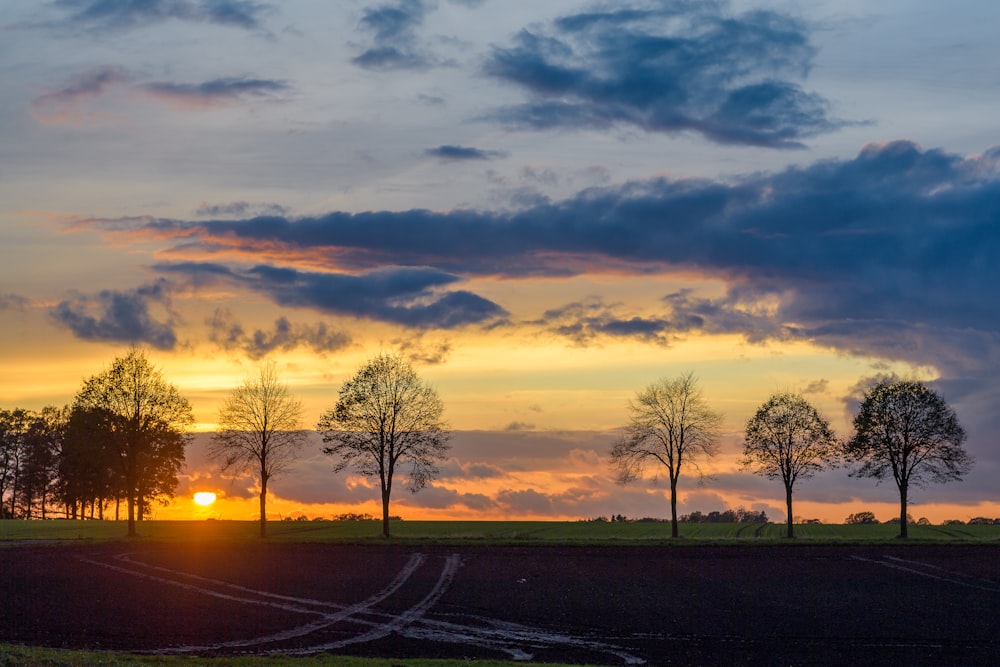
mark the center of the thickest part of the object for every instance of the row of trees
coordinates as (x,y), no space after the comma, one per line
(124,438)
(903,430)
(125,434)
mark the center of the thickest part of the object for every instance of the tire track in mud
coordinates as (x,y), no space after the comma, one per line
(515,640)
(936,572)
(262,598)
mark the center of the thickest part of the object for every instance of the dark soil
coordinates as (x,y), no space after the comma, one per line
(753,605)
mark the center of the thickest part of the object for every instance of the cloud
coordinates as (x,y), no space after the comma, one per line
(888,254)
(63,105)
(109,15)
(450,153)
(11,301)
(816,387)
(393,27)
(229,334)
(420,351)
(593,320)
(490,458)
(213,92)
(120,316)
(69,103)
(666,67)
(526,501)
(240,209)
(519,426)
(411,296)
(438,497)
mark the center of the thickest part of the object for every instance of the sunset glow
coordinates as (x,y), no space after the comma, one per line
(797,197)
(204,498)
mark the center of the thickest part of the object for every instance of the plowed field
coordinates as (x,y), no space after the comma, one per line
(789,604)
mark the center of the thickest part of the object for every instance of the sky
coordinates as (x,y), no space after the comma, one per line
(545,207)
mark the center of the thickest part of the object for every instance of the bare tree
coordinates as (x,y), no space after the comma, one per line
(386,417)
(788,439)
(260,431)
(906,430)
(144,419)
(671,424)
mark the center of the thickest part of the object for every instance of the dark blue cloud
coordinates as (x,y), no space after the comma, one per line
(393,27)
(454,153)
(123,14)
(892,251)
(119,316)
(676,66)
(411,296)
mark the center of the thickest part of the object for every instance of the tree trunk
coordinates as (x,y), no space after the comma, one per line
(788,508)
(130,501)
(263,507)
(674,532)
(385,512)
(902,510)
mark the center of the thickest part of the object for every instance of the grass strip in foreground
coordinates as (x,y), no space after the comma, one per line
(12,655)
(484,532)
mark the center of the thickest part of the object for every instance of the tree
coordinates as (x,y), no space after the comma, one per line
(386,417)
(906,430)
(13,425)
(89,467)
(787,439)
(43,442)
(143,419)
(259,430)
(860,518)
(671,424)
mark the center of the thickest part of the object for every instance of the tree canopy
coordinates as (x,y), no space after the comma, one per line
(788,439)
(906,431)
(386,417)
(143,420)
(259,430)
(672,425)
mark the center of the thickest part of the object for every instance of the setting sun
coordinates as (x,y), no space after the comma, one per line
(204,498)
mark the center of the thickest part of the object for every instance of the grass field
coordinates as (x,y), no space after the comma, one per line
(20,656)
(487,532)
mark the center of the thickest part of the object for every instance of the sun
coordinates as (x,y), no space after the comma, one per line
(204,498)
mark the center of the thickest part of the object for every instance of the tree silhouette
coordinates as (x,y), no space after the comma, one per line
(787,439)
(143,419)
(89,468)
(43,441)
(386,417)
(671,424)
(906,430)
(259,430)
(13,426)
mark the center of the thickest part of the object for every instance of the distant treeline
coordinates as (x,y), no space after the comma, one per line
(739,515)
(347,516)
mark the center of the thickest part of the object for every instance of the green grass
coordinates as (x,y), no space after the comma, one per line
(11,655)
(481,532)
